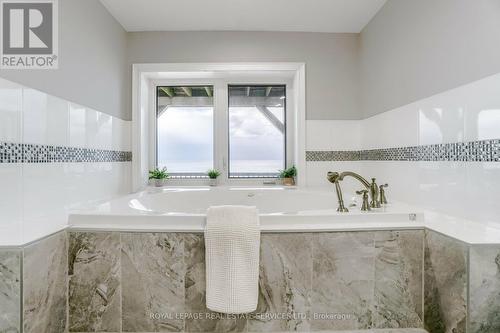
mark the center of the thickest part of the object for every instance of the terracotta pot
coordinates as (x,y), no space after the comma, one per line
(288,181)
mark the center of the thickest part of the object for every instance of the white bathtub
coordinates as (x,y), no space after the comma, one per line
(182,209)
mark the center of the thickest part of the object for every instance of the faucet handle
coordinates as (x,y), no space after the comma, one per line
(366,204)
(374,192)
(383,198)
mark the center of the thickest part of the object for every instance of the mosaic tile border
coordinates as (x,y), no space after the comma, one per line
(474,151)
(31,153)
(333,155)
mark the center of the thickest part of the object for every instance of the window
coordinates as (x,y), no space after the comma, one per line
(250,141)
(185,123)
(256,130)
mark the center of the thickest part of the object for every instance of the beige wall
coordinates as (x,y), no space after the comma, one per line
(416,48)
(92,54)
(331,60)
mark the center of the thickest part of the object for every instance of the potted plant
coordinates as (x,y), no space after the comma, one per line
(212,175)
(158,176)
(288,176)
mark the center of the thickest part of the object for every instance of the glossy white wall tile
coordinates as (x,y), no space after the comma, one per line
(442,186)
(44,199)
(11,103)
(91,129)
(441,118)
(121,139)
(11,203)
(45,119)
(35,198)
(52,190)
(482,192)
(35,116)
(104,131)
(401,176)
(77,125)
(464,189)
(482,115)
(57,121)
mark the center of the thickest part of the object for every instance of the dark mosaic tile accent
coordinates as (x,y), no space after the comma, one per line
(31,153)
(338,155)
(474,151)
(495,151)
(11,152)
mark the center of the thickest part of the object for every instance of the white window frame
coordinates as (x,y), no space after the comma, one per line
(147,76)
(221,125)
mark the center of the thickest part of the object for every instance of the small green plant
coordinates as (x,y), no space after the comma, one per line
(288,173)
(158,173)
(213,173)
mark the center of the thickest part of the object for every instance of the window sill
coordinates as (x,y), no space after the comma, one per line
(203,177)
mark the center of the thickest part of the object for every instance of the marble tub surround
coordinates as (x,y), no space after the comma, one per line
(445,295)
(322,281)
(153,272)
(285,282)
(398,279)
(94,298)
(343,275)
(162,282)
(484,289)
(45,285)
(374,277)
(10,290)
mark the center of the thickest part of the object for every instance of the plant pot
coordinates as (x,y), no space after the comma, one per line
(158,182)
(288,181)
(212,182)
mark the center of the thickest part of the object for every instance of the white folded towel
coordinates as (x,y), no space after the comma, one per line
(232,243)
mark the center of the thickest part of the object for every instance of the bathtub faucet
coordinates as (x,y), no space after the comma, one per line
(373,189)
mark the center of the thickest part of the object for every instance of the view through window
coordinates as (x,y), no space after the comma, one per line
(256,130)
(185,123)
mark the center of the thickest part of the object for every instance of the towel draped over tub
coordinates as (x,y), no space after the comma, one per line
(232,243)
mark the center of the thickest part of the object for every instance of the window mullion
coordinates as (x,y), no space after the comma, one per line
(221,130)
